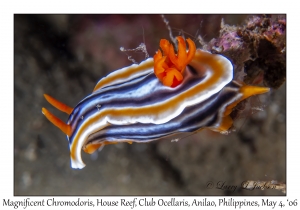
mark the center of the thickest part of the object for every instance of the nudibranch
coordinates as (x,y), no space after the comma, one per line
(168,94)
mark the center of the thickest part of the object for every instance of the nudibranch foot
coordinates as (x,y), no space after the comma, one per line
(163,96)
(91,148)
(244,91)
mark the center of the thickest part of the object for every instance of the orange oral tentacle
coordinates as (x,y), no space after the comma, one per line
(169,67)
(57,122)
(175,83)
(172,56)
(176,73)
(165,46)
(181,55)
(172,74)
(59,105)
(158,66)
(161,76)
(168,79)
(157,55)
(192,50)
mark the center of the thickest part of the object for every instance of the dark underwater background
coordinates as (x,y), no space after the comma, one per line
(65,55)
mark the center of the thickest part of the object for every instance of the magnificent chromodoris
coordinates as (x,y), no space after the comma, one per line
(162,96)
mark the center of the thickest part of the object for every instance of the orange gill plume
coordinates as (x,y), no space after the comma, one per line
(55,120)
(169,67)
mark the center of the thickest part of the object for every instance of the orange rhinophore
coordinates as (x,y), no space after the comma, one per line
(169,67)
(58,105)
(55,120)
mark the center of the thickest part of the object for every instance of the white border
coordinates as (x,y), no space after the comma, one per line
(8,8)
